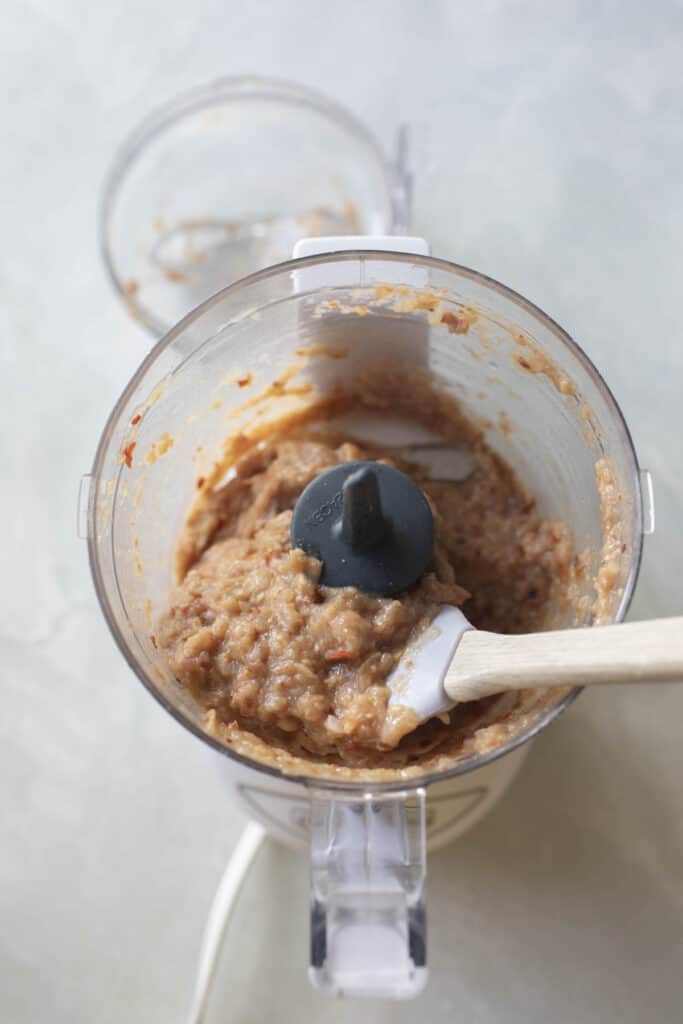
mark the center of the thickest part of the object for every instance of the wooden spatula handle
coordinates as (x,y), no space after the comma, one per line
(633,652)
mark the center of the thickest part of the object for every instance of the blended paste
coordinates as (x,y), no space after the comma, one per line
(287,669)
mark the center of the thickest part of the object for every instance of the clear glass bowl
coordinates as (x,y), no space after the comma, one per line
(223,180)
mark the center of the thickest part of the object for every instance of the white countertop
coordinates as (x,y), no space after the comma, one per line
(549,153)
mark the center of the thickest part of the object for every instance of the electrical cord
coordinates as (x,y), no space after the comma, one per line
(234,875)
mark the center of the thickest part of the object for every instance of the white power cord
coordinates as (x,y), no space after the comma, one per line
(220,912)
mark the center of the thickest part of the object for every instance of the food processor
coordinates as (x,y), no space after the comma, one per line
(258,350)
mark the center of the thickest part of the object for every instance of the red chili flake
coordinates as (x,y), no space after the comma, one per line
(154,641)
(127,454)
(456,324)
(623,548)
(244,382)
(523,362)
(339,656)
(136,419)
(200,482)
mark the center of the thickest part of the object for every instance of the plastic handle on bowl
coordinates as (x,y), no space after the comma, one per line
(347,243)
(329,279)
(323,276)
(368,920)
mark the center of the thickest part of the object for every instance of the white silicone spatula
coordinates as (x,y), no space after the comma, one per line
(453,662)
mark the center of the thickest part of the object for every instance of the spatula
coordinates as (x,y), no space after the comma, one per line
(453,662)
(371,527)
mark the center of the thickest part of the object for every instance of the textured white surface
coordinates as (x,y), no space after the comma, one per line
(549,146)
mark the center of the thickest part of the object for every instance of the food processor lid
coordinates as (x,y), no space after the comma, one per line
(224,179)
